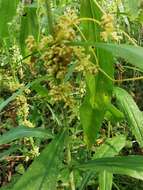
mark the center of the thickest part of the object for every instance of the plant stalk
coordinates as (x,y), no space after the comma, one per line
(49,16)
(71,176)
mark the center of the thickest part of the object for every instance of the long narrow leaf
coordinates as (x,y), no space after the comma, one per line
(7,11)
(133,114)
(127,165)
(42,173)
(20,132)
(109,149)
(132,54)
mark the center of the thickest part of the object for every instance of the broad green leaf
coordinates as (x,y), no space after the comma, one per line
(99,88)
(90,120)
(116,113)
(42,174)
(29,25)
(125,165)
(7,11)
(113,114)
(20,132)
(41,90)
(133,114)
(131,54)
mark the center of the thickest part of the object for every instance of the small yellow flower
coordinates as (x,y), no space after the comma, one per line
(109,30)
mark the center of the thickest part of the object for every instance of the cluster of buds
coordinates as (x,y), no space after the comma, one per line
(22,107)
(15,54)
(23,111)
(31,43)
(7,83)
(84,64)
(107,23)
(63,93)
(57,58)
(64,30)
(27,123)
(45,42)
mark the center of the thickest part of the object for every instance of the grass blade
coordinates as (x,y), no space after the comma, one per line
(20,132)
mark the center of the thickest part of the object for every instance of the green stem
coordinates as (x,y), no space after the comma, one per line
(71,177)
(49,15)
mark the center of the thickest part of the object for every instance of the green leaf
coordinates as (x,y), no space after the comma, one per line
(91,120)
(20,132)
(132,54)
(99,88)
(29,25)
(132,7)
(132,113)
(125,165)
(105,180)
(113,114)
(42,174)
(7,11)
(110,148)
(41,90)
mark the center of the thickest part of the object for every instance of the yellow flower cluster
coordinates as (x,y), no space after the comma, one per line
(107,23)
(31,43)
(64,30)
(62,93)
(7,83)
(27,123)
(22,107)
(57,57)
(84,64)
(23,111)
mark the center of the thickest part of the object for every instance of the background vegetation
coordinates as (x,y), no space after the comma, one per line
(71,94)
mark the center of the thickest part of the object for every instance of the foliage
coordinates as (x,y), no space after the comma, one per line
(66,120)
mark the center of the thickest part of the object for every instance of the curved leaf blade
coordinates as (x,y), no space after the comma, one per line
(132,54)
(125,165)
(20,132)
(110,148)
(42,173)
(132,113)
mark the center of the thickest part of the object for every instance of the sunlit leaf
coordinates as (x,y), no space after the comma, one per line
(133,114)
